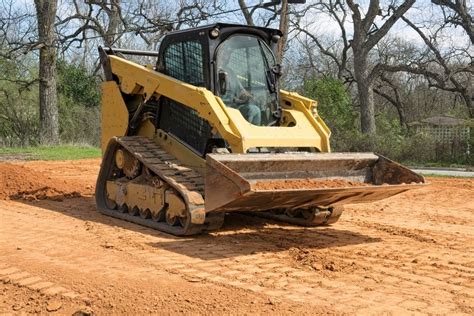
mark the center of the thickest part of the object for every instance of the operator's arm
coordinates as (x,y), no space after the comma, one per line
(240,95)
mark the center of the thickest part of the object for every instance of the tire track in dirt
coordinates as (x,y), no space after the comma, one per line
(212,259)
(376,259)
(21,278)
(59,251)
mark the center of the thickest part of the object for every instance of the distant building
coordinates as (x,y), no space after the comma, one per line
(444,128)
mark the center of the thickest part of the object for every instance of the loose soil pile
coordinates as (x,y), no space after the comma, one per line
(19,182)
(321,261)
(306,184)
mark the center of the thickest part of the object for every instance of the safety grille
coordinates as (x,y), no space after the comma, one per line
(185,124)
(184,61)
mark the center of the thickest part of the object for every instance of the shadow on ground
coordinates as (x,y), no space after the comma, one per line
(240,235)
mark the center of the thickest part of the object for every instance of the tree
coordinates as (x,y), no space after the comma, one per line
(336,51)
(449,68)
(393,96)
(275,11)
(49,124)
(455,76)
(458,13)
(102,17)
(368,29)
(366,35)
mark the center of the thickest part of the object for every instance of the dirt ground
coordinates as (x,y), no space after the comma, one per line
(409,254)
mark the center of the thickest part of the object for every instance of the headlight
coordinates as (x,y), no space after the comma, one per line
(215,33)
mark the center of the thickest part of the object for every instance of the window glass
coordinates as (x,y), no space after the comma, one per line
(247,63)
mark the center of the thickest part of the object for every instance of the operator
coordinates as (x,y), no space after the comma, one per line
(236,96)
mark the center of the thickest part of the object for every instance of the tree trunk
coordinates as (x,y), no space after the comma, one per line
(49,121)
(284,24)
(246,13)
(365,92)
(114,22)
(469,100)
(402,116)
(367,109)
(468,97)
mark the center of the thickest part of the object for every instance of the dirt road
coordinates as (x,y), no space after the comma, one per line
(413,253)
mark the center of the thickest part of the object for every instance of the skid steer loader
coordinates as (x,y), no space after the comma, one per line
(207,130)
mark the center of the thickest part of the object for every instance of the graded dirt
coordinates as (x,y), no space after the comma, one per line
(306,184)
(409,254)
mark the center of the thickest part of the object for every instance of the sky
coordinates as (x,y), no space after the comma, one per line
(322,25)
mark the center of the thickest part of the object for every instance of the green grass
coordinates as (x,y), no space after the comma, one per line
(63,152)
(431,175)
(437,165)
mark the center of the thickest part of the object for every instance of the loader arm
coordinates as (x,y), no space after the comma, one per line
(306,130)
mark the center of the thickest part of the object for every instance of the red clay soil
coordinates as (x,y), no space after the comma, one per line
(306,184)
(20,182)
(410,254)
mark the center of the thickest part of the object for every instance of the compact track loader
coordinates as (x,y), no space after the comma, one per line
(207,130)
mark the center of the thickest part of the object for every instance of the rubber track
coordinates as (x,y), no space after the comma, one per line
(187,182)
(325,217)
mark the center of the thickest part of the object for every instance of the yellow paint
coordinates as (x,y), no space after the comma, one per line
(141,195)
(114,114)
(308,131)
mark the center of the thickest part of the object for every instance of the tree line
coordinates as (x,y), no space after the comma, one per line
(410,58)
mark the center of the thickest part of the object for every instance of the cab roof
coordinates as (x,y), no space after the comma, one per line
(223,26)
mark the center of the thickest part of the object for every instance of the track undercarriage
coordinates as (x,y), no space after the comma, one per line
(143,184)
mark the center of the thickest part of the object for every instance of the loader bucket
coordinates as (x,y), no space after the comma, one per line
(259,182)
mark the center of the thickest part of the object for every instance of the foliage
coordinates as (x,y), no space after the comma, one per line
(19,117)
(77,84)
(19,114)
(392,140)
(79,97)
(334,102)
(78,124)
(401,145)
(334,106)
(63,152)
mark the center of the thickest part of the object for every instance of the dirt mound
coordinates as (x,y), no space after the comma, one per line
(306,184)
(20,182)
(320,260)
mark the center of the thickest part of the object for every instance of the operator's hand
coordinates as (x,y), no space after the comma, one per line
(245,96)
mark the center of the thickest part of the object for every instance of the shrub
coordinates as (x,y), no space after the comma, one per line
(334,103)
(418,148)
(19,117)
(79,98)
(79,124)
(75,83)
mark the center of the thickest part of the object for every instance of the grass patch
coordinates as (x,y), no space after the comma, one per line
(63,152)
(431,164)
(431,175)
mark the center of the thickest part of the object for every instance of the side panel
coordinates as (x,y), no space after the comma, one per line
(114,114)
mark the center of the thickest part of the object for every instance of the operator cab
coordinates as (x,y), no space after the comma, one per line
(247,77)
(235,62)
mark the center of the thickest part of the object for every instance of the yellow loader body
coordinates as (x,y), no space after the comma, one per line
(284,170)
